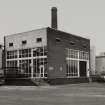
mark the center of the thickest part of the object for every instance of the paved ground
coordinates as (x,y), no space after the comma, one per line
(72,94)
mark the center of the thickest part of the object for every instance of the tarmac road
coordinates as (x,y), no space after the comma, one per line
(72,94)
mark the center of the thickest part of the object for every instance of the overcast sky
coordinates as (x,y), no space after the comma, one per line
(81,17)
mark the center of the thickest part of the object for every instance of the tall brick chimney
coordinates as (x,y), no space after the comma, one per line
(54,18)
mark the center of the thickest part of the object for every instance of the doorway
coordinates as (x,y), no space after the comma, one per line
(82,68)
(42,71)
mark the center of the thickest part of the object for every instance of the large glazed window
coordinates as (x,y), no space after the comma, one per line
(83,55)
(25,66)
(24,53)
(11,54)
(40,67)
(73,59)
(72,68)
(32,61)
(12,63)
(72,53)
(40,51)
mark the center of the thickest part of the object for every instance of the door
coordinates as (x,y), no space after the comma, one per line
(41,71)
(38,69)
(82,68)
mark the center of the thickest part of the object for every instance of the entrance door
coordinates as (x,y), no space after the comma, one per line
(42,71)
(82,68)
(38,69)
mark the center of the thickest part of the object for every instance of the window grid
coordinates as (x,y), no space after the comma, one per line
(11,54)
(70,53)
(73,58)
(28,60)
(12,63)
(40,51)
(25,65)
(24,53)
(83,55)
(72,68)
(40,67)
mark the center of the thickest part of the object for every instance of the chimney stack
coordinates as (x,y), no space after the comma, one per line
(54,18)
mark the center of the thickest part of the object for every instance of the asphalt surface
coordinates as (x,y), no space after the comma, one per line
(72,94)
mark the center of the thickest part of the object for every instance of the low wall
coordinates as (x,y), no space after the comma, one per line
(61,81)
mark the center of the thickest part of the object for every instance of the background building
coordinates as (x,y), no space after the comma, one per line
(100,63)
(92,60)
(1,57)
(49,53)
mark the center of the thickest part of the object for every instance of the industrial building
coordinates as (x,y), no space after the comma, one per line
(49,53)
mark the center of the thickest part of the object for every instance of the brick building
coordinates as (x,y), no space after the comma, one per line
(48,53)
